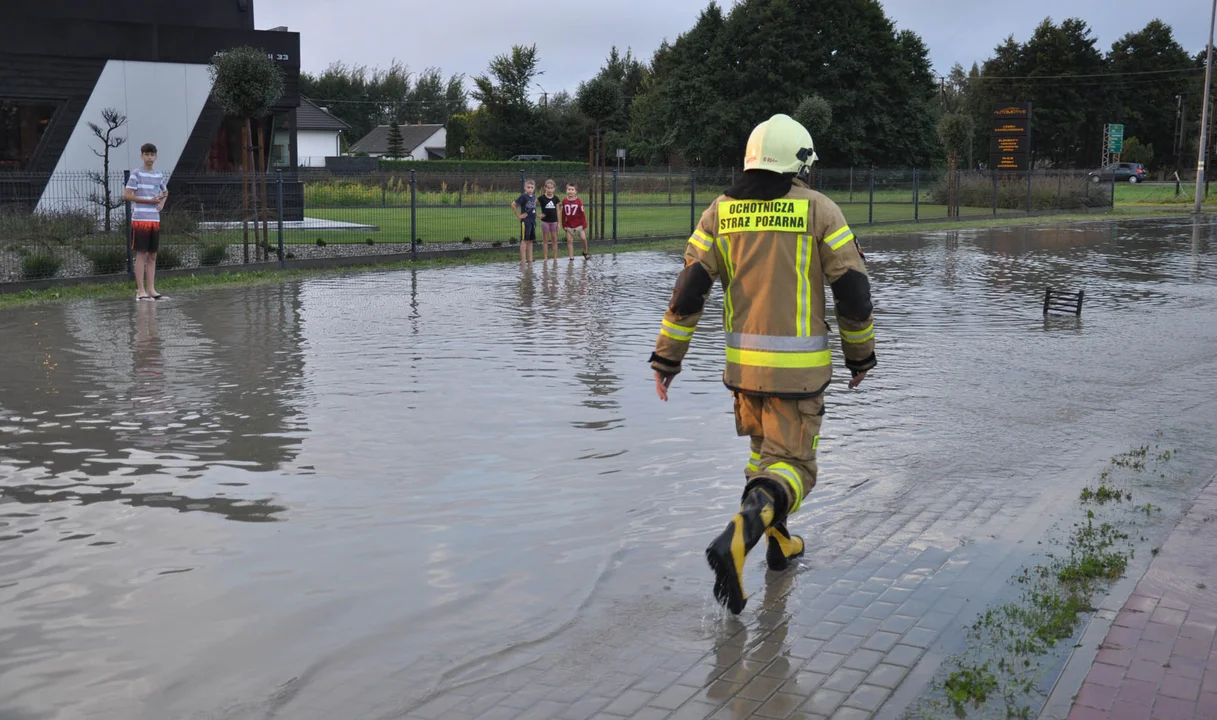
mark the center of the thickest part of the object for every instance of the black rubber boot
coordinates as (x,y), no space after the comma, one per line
(726,554)
(783,547)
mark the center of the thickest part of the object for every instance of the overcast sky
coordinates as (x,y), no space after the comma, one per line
(460,36)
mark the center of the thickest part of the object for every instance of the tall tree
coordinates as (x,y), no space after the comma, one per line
(506,124)
(629,75)
(688,111)
(1149,68)
(397,146)
(716,82)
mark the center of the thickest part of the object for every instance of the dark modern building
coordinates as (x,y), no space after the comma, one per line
(62,62)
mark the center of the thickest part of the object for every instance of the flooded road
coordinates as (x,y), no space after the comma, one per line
(453,493)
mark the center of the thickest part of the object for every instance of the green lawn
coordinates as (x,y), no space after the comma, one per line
(1143,194)
(449,224)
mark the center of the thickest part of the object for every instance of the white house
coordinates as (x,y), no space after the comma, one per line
(318,134)
(419,142)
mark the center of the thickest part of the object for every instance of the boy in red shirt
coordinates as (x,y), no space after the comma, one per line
(574,220)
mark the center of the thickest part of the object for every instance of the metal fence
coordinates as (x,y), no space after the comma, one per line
(56,226)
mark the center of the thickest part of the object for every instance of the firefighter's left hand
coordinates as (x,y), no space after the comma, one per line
(856,380)
(662,383)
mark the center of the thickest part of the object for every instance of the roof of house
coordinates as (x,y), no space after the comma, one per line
(412,137)
(310,116)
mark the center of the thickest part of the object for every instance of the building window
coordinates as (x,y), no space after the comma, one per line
(22,125)
(281,143)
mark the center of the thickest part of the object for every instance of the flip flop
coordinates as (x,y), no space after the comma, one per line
(157,297)
(141,298)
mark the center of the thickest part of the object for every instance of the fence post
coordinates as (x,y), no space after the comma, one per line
(692,200)
(669,184)
(1028,190)
(1058,189)
(994,173)
(916,196)
(414,218)
(127,222)
(871,214)
(851,184)
(521,180)
(384,191)
(1113,192)
(614,204)
(279,189)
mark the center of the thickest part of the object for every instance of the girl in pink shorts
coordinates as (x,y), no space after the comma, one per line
(548,207)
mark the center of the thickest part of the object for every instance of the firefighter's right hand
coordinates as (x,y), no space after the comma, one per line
(856,380)
(662,383)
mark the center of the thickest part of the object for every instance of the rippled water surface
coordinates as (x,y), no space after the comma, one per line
(343,497)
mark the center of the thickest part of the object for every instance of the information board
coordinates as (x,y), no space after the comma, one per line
(1010,145)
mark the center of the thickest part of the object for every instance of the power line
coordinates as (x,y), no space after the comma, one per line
(1081,76)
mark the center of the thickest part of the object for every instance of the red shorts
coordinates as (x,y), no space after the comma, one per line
(145,236)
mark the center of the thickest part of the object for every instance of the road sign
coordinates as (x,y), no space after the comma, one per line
(1115,138)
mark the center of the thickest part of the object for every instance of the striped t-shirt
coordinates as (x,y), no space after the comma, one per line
(146,184)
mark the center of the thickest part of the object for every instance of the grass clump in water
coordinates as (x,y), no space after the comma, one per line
(1104,494)
(970,686)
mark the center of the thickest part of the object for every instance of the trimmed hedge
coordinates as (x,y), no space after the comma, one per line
(475,166)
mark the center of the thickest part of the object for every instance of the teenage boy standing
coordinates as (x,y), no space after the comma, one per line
(146,191)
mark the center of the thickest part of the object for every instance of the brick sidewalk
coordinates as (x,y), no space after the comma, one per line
(1159,660)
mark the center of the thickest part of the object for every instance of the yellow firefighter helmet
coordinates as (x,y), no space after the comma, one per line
(781,145)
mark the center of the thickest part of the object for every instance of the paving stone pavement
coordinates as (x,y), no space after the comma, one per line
(1159,659)
(855,636)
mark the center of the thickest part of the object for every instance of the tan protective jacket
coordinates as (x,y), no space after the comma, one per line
(771,258)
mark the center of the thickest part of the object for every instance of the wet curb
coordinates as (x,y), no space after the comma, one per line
(1069,682)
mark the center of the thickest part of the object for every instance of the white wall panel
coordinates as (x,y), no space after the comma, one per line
(162,102)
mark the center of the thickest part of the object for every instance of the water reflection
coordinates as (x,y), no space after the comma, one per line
(257,510)
(482,493)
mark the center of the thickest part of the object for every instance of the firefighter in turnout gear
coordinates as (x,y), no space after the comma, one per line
(773,243)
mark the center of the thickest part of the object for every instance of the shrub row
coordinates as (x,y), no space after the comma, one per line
(1047,192)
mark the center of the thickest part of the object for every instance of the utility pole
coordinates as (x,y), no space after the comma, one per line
(1208,80)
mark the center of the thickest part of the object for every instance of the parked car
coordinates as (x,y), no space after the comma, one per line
(530,158)
(1120,172)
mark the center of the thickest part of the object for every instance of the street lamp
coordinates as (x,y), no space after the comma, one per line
(1208,80)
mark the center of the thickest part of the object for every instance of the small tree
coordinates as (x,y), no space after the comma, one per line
(599,99)
(246,82)
(104,196)
(955,132)
(1135,152)
(397,146)
(815,114)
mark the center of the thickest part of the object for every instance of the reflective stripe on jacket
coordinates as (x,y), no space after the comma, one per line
(772,258)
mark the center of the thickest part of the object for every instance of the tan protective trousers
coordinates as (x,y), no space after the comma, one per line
(785,435)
